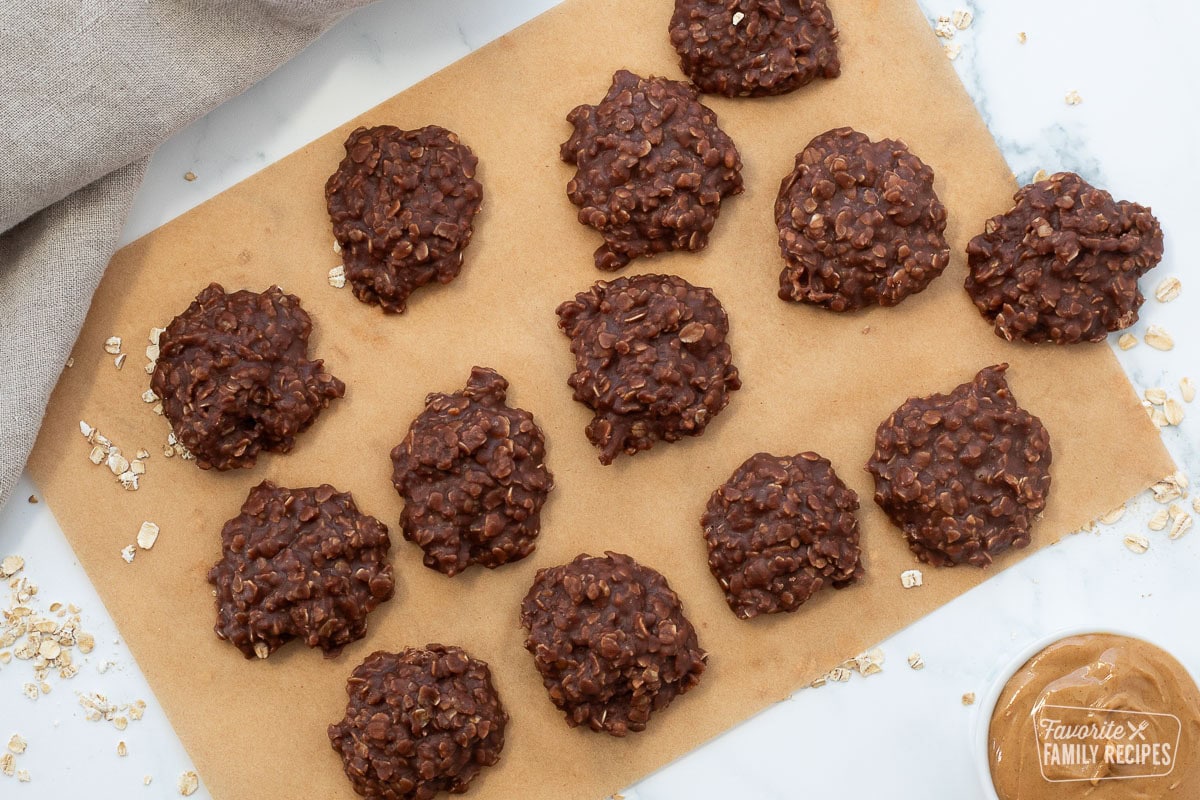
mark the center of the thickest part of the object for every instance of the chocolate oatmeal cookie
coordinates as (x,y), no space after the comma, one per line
(652,168)
(651,360)
(779,530)
(299,564)
(963,474)
(472,472)
(418,723)
(859,223)
(755,47)
(1063,265)
(611,642)
(403,205)
(234,376)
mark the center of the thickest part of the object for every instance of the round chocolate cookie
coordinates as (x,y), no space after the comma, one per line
(611,642)
(403,205)
(755,47)
(651,360)
(859,223)
(963,474)
(299,564)
(779,530)
(1063,265)
(234,376)
(418,723)
(652,167)
(472,472)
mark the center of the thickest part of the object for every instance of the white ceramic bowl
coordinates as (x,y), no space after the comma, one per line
(985,708)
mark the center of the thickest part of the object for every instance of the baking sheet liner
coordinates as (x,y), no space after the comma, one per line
(813,380)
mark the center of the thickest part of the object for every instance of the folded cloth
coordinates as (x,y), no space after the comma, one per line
(88,90)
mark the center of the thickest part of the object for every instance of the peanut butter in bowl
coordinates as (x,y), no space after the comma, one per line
(1097,716)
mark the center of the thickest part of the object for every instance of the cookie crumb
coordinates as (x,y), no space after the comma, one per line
(189,176)
(968,699)
(33,499)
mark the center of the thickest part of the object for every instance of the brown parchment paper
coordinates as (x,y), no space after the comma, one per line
(813,380)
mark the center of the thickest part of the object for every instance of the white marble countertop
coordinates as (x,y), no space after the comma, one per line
(900,734)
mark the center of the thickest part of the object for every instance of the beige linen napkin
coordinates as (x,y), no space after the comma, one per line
(88,90)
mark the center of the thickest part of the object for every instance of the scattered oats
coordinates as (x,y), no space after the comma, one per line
(1114,515)
(155,334)
(147,535)
(944,27)
(49,650)
(1073,98)
(97,455)
(868,663)
(16,744)
(23,775)
(962,19)
(915,661)
(1158,520)
(337,276)
(910,578)
(5,657)
(818,682)
(137,467)
(168,451)
(1127,341)
(262,649)
(86,642)
(11,565)
(1156,396)
(1182,525)
(337,247)
(1196,504)
(1173,411)
(152,352)
(30,689)
(1158,417)
(189,782)
(1022,37)
(158,409)
(1137,543)
(953,49)
(149,396)
(738,16)
(146,780)
(189,176)
(1040,176)
(8,764)
(1157,338)
(839,675)
(129,480)
(70,363)
(150,368)
(1187,389)
(1168,289)
(1170,488)
(45,687)
(117,462)
(968,699)
(127,553)
(120,723)
(122,750)
(112,345)
(86,430)
(137,710)
(142,454)
(119,361)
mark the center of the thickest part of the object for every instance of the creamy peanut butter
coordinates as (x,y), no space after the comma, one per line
(1097,716)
